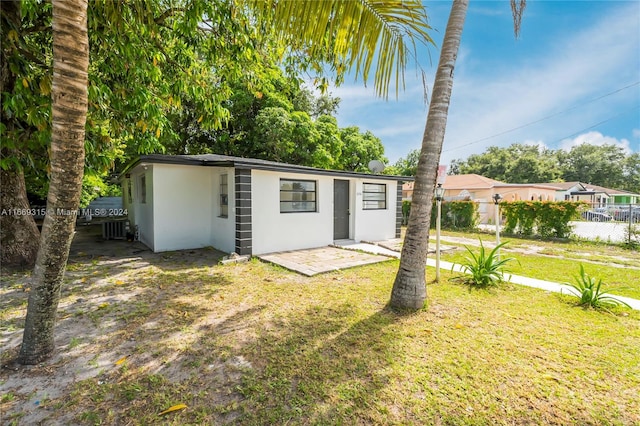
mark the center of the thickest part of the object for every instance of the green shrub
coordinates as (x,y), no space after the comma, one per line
(485,268)
(455,214)
(543,218)
(590,292)
(406,209)
(458,215)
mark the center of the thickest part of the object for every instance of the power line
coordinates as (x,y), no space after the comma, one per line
(595,125)
(550,116)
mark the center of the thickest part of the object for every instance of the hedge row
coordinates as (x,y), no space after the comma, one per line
(455,214)
(543,218)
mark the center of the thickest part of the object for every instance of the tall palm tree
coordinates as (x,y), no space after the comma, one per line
(347,34)
(409,288)
(69,111)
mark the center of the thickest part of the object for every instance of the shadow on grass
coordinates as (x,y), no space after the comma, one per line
(321,369)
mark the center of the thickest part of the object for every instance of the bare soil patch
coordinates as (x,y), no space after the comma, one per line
(110,309)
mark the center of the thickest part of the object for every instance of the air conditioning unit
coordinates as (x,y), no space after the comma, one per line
(115,229)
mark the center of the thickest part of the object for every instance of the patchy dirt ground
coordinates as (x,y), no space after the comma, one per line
(98,330)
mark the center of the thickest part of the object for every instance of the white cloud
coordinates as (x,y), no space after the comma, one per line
(595,138)
(636,133)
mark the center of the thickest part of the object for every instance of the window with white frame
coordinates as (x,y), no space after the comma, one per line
(298,196)
(224,195)
(374,196)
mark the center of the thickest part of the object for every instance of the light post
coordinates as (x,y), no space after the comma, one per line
(496,201)
(439,191)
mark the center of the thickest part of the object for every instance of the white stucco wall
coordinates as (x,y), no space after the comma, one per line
(274,231)
(141,214)
(183,207)
(373,225)
(223,230)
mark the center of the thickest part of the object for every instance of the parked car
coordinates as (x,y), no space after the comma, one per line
(597,216)
(622,214)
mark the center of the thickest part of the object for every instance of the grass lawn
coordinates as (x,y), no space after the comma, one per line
(257,345)
(559,262)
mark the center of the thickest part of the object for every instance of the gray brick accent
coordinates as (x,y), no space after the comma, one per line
(244,239)
(398,209)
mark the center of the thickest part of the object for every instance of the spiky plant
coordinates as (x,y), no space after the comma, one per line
(589,290)
(485,267)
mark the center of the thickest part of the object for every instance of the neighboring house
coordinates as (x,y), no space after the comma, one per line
(615,196)
(482,190)
(407,191)
(597,196)
(578,191)
(251,207)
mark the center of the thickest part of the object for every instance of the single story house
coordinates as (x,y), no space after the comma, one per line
(482,190)
(578,191)
(407,191)
(597,196)
(252,207)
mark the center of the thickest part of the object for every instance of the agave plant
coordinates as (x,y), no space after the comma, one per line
(485,267)
(590,292)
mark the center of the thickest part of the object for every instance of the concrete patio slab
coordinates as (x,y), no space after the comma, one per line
(315,261)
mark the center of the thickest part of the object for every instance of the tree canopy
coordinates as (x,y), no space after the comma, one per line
(604,165)
(203,76)
(278,119)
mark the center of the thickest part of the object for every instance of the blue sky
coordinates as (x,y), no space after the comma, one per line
(569,54)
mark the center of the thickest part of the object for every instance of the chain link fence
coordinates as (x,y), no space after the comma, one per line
(612,222)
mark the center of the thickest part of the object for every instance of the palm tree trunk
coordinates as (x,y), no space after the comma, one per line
(409,288)
(69,100)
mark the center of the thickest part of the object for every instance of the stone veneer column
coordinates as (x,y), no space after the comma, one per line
(244,241)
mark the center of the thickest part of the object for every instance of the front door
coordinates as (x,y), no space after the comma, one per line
(340,209)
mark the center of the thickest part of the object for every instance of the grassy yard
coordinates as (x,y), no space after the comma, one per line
(559,262)
(254,344)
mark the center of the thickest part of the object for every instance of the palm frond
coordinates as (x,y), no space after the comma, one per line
(352,35)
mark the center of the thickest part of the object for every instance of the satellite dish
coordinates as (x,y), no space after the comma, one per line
(376,166)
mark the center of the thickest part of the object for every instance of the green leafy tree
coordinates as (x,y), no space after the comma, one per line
(328,153)
(517,163)
(146,61)
(598,165)
(409,165)
(359,149)
(631,171)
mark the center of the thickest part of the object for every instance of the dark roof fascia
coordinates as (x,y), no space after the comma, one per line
(256,165)
(586,192)
(159,159)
